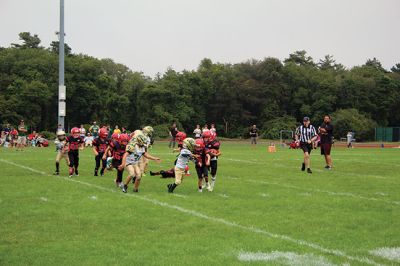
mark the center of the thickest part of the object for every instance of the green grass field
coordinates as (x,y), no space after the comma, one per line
(263,210)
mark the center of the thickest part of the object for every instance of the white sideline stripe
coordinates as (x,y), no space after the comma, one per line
(341,194)
(252,229)
(289,258)
(392,254)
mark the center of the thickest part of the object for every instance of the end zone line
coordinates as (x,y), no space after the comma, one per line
(252,229)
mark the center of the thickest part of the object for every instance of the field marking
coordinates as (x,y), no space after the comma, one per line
(392,254)
(342,194)
(255,161)
(193,213)
(288,258)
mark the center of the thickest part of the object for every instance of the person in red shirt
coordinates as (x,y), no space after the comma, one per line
(117,149)
(74,144)
(100,145)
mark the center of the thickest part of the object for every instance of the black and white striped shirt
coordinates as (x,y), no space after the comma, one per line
(306,133)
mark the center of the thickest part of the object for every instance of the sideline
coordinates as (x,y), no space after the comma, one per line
(252,229)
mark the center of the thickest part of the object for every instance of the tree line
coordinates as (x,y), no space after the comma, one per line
(270,93)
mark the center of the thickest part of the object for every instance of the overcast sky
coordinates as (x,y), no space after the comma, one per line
(152,35)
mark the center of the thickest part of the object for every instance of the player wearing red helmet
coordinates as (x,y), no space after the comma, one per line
(100,145)
(180,136)
(117,149)
(202,163)
(212,148)
(74,143)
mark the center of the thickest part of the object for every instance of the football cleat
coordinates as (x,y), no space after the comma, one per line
(124,188)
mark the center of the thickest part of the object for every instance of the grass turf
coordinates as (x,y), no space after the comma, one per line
(262,202)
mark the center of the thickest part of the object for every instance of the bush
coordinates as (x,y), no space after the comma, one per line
(272,128)
(48,135)
(345,120)
(161,131)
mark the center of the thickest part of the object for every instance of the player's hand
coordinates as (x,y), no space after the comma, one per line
(309,141)
(121,167)
(104,157)
(158,160)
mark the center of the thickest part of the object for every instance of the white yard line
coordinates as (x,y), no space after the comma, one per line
(339,194)
(389,253)
(258,162)
(288,258)
(193,213)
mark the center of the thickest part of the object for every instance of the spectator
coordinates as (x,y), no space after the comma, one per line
(349,139)
(172,133)
(14,137)
(205,128)
(123,130)
(197,132)
(213,129)
(253,134)
(32,138)
(59,128)
(94,130)
(88,140)
(22,132)
(82,131)
(117,130)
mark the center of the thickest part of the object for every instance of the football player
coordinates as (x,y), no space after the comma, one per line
(212,148)
(184,156)
(100,145)
(180,136)
(169,173)
(202,163)
(74,143)
(60,143)
(117,149)
(134,151)
(143,163)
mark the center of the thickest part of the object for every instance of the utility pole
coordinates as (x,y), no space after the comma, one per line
(61,86)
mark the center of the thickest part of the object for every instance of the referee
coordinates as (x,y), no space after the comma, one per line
(306,134)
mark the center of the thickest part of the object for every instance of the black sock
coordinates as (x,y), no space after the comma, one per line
(57,167)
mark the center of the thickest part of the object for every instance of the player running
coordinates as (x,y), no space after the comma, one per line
(117,149)
(60,143)
(135,150)
(184,156)
(100,145)
(74,143)
(212,148)
(202,164)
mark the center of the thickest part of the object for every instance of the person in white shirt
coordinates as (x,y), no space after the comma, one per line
(213,129)
(184,157)
(82,132)
(197,132)
(88,140)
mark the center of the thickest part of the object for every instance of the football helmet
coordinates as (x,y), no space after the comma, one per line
(60,133)
(75,132)
(103,133)
(148,131)
(199,145)
(189,144)
(123,138)
(180,136)
(141,139)
(115,136)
